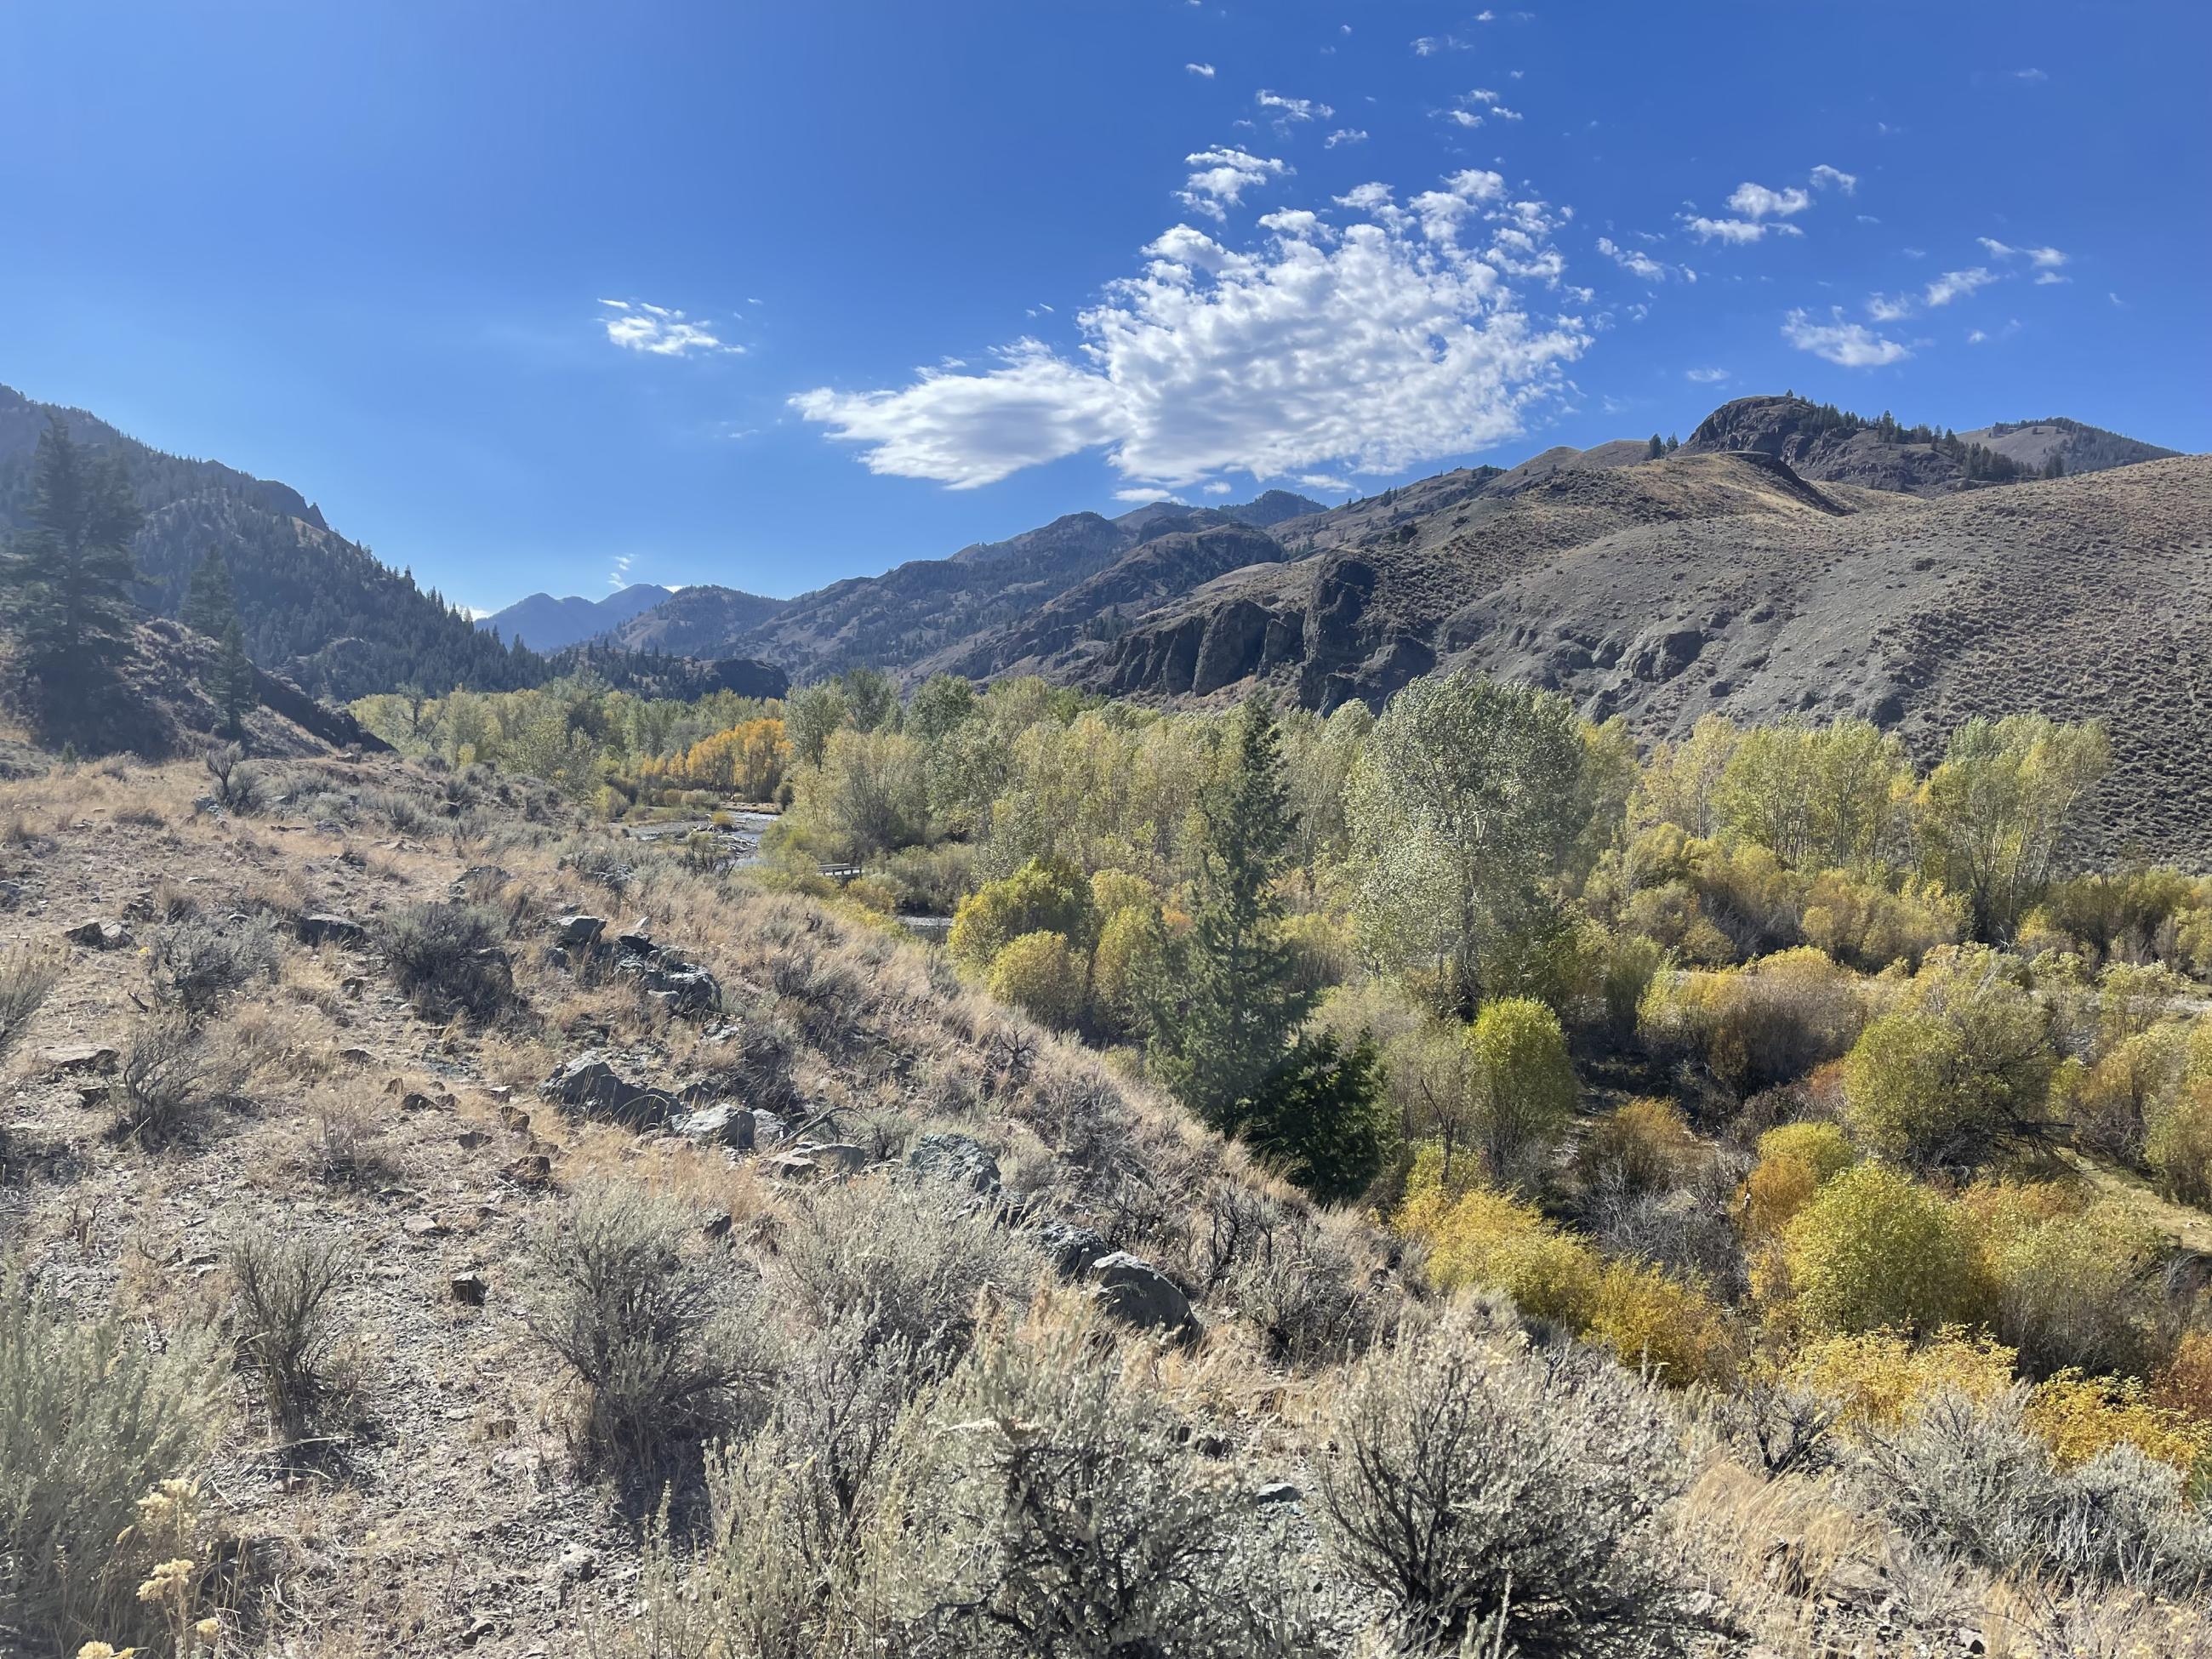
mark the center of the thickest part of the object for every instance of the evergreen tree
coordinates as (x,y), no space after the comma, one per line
(69,576)
(1658,447)
(2056,466)
(210,603)
(1319,1118)
(1222,1003)
(1674,443)
(234,679)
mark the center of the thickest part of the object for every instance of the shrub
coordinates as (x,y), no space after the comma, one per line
(1631,963)
(171,1073)
(2182,1384)
(195,964)
(1484,1237)
(1050,1504)
(1129,948)
(1643,1146)
(1874,1248)
(448,958)
(1867,927)
(1041,974)
(2072,1284)
(1878,1379)
(239,785)
(1959,1072)
(1968,1475)
(1795,1161)
(1318,1119)
(1757,1026)
(287,1322)
(1524,1083)
(92,1421)
(1045,896)
(659,1339)
(27,978)
(2081,1417)
(1491,1496)
(1653,1322)
(2178,1147)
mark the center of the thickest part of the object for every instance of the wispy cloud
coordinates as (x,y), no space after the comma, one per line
(1956,284)
(1392,339)
(1430,44)
(1851,345)
(1222,176)
(1758,202)
(1345,136)
(1885,308)
(1202,70)
(1827,177)
(2032,76)
(1293,109)
(1634,261)
(659,331)
(1737,231)
(619,576)
(2045,261)
(1705,376)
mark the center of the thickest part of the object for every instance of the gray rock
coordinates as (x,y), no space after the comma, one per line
(1134,1290)
(1072,1249)
(588,1085)
(724,1124)
(793,1166)
(97,935)
(11,895)
(959,1160)
(840,1158)
(579,929)
(470,1289)
(82,1058)
(322,928)
(1277,1491)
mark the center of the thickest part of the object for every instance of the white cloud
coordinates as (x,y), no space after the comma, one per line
(1203,70)
(1219,487)
(619,576)
(1430,44)
(1398,339)
(1223,176)
(1705,376)
(1852,345)
(1885,309)
(1632,260)
(1293,109)
(1757,202)
(1345,136)
(1736,230)
(659,331)
(2046,259)
(1976,338)
(1956,284)
(1145,497)
(2032,76)
(1827,177)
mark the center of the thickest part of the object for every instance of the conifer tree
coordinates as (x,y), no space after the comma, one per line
(234,678)
(67,578)
(1222,1003)
(210,603)
(1658,448)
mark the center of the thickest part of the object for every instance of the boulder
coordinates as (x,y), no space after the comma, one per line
(1277,1491)
(82,1058)
(324,928)
(959,1160)
(723,1124)
(839,1157)
(97,935)
(531,1169)
(579,929)
(1134,1290)
(470,1289)
(1072,1249)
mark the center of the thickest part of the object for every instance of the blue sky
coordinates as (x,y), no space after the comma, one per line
(545,296)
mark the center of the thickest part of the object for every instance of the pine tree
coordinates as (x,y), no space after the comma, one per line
(1658,447)
(69,576)
(1222,1003)
(234,678)
(210,603)
(1674,443)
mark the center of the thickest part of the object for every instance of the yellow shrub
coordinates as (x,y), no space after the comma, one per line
(1648,1319)
(1763,1023)
(1877,1378)
(2178,1148)
(1795,1161)
(1859,921)
(1643,1146)
(2184,1384)
(2082,1416)
(1483,1237)
(1041,974)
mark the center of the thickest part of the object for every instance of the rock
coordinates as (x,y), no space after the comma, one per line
(577,1566)
(723,1124)
(470,1139)
(322,928)
(1664,653)
(93,1094)
(793,1166)
(97,935)
(1277,1491)
(425,1228)
(470,1289)
(531,1169)
(1134,1290)
(1072,1249)
(579,929)
(588,1083)
(416,1101)
(840,1158)
(768,1127)
(11,895)
(637,943)
(354,1056)
(81,1057)
(514,1120)
(718,1228)
(501,1092)
(959,1160)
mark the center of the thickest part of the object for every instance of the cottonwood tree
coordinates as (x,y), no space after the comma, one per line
(1464,810)
(1996,814)
(69,576)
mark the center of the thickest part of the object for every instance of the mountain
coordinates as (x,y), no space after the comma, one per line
(2079,447)
(694,621)
(1828,445)
(546,623)
(302,588)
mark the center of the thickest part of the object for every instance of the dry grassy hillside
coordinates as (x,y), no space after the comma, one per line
(311,1041)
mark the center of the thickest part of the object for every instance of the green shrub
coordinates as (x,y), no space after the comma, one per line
(1525,1087)
(1873,1249)
(1045,896)
(195,964)
(92,1419)
(287,1322)
(1041,974)
(27,978)
(1795,1161)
